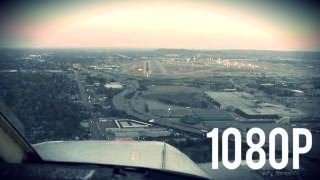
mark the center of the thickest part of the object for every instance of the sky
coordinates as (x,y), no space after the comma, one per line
(190,24)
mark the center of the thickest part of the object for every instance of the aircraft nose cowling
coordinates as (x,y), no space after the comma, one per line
(147,154)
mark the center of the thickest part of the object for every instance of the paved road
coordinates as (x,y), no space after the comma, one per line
(162,69)
(120,102)
(94,122)
(128,105)
(83,94)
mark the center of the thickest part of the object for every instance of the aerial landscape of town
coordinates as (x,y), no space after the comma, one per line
(169,89)
(171,95)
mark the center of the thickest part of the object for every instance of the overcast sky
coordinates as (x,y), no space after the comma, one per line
(201,24)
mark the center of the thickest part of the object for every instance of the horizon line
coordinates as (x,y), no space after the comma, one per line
(168,48)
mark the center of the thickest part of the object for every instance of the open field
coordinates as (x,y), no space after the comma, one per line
(176,95)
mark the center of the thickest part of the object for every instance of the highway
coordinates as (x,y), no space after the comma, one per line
(120,102)
(83,94)
(94,122)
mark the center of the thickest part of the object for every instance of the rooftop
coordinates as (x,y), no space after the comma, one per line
(113,85)
(248,104)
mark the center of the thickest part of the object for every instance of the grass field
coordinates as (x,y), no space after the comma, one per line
(177,95)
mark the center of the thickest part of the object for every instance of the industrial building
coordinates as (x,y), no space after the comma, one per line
(247,107)
(137,132)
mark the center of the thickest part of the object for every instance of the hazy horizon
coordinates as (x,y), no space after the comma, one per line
(140,24)
(160,48)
